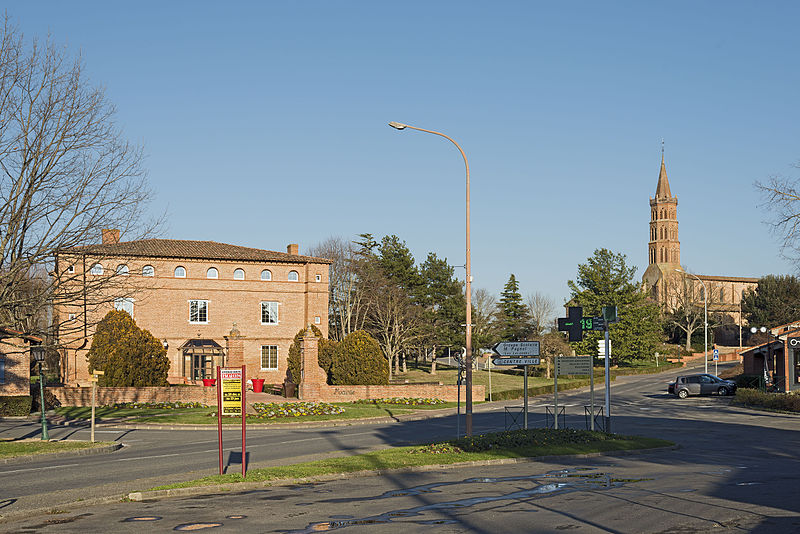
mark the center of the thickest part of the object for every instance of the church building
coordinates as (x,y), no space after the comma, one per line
(667,282)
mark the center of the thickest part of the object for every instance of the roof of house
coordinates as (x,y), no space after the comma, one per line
(184,249)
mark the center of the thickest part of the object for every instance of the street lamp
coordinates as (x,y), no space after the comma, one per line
(468,342)
(38,355)
(705,318)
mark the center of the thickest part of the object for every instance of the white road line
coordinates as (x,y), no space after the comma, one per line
(37,468)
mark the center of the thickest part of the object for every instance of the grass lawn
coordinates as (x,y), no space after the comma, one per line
(10,449)
(514,444)
(200,416)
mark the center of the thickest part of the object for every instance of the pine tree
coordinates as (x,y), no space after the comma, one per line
(512,312)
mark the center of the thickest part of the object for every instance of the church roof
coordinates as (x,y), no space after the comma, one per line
(662,189)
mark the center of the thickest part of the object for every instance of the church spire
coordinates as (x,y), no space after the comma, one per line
(662,189)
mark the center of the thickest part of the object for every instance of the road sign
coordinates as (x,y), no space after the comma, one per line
(716,354)
(516,361)
(231,391)
(573,365)
(517,348)
(601,347)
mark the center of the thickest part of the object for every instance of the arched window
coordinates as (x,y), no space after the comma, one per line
(212,272)
(266,274)
(148,270)
(293,276)
(97,269)
(238,274)
(122,269)
(180,272)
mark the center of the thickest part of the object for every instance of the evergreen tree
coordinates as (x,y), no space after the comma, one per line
(441,296)
(512,313)
(128,355)
(775,301)
(606,280)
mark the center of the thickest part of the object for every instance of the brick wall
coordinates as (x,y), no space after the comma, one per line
(82,396)
(16,378)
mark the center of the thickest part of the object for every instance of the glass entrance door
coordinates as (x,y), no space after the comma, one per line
(202,366)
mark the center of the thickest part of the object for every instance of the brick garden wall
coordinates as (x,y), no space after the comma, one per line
(82,396)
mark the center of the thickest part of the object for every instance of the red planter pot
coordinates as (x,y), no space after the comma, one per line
(258,385)
(209,381)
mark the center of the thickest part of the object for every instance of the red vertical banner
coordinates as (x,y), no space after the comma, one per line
(219,417)
(244,422)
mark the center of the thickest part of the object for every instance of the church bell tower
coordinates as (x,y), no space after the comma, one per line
(664,248)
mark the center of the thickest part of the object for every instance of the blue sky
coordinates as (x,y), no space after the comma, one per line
(265,123)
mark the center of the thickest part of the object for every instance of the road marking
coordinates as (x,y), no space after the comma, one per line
(38,468)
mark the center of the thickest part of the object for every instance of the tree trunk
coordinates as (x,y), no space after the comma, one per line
(548,368)
(433,361)
(405,366)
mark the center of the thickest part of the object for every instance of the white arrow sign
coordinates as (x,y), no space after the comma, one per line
(516,361)
(517,348)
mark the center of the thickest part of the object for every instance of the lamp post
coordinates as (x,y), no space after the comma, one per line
(468,342)
(38,355)
(705,319)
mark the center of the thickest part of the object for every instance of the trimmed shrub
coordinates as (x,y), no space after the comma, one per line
(129,355)
(15,405)
(358,360)
(783,402)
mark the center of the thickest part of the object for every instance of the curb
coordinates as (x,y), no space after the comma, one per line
(140,496)
(105,449)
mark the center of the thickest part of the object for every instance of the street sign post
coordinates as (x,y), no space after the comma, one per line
(231,396)
(518,353)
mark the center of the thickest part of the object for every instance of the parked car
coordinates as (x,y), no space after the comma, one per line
(701,384)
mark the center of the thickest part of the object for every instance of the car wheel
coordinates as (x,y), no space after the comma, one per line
(723,391)
(683,393)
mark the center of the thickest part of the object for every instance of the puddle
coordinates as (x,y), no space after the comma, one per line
(749,483)
(143,518)
(549,483)
(235,516)
(196,526)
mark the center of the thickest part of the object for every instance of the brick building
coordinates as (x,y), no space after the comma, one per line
(15,362)
(209,303)
(662,279)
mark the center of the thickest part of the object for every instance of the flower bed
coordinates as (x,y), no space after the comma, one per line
(159,405)
(402,400)
(524,438)
(274,410)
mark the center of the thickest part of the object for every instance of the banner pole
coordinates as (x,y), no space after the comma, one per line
(244,422)
(219,416)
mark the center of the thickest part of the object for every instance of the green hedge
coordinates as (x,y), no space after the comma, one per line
(541,390)
(16,405)
(784,402)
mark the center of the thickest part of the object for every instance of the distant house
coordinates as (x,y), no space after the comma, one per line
(15,362)
(778,358)
(200,298)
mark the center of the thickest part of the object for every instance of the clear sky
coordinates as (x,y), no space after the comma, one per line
(265,123)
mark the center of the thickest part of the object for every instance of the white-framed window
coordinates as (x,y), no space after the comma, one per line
(180,272)
(317,319)
(293,276)
(122,269)
(97,269)
(269,313)
(71,317)
(266,274)
(198,311)
(71,268)
(148,270)
(269,357)
(125,304)
(212,272)
(318,278)
(238,274)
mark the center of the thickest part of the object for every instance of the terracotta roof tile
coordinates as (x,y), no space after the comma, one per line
(201,250)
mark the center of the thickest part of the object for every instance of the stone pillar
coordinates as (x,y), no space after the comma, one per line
(313,378)
(234,347)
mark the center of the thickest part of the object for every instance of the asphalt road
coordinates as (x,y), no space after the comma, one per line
(735,471)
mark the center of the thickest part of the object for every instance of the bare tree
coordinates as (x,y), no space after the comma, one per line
(485,330)
(781,196)
(542,309)
(66,174)
(346,307)
(686,305)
